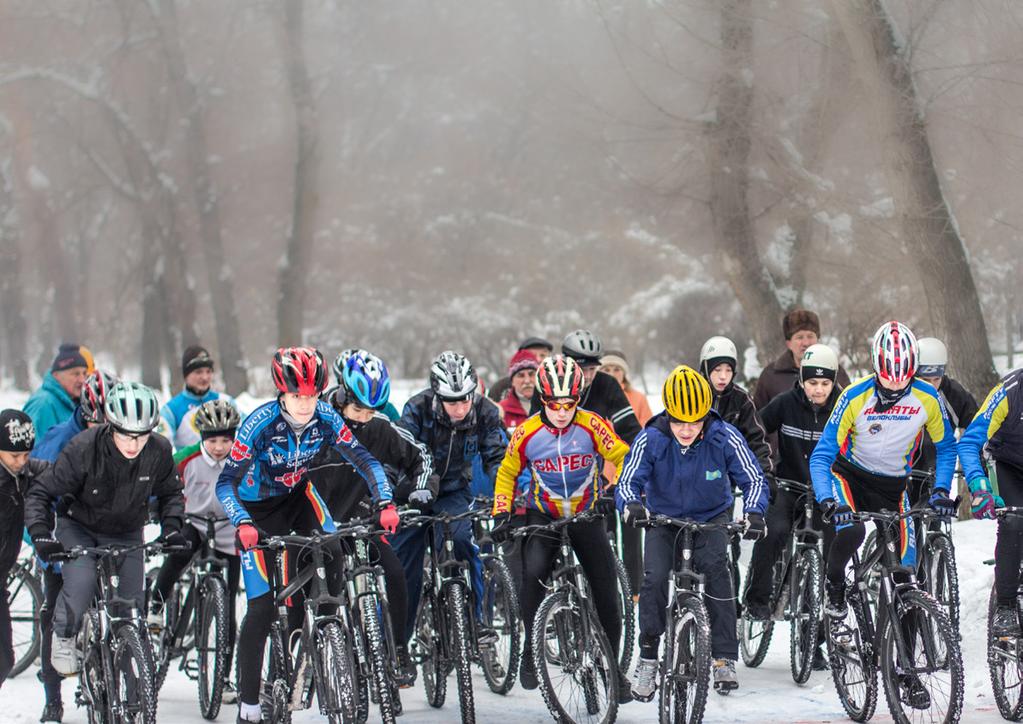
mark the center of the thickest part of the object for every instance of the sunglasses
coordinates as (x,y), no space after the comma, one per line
(457,401)
(131,436)
(555,406)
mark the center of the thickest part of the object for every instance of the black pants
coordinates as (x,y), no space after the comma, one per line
(6,637)
(1007,545)
(786,508)
(175,563)
(589,541)
(710,559)
(275,516)
(52,583)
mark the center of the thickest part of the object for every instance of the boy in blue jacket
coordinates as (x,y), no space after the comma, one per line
(681,465)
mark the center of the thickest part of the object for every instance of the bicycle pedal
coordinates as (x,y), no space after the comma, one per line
(725,687)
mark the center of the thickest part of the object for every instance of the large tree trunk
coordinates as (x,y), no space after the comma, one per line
(232,360)
(12,304)
(931,234)
(728,156)
(294,269)
(152,316)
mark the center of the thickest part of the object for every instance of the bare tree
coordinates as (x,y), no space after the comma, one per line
(14,359)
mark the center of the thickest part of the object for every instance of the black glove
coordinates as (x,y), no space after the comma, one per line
(605,504)
(941,504)
(47,547)
(755,527)
(174,538)
(634,514)
(502,528)
(834,513)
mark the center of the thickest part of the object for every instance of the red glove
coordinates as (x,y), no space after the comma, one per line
(247,536)
(388,518)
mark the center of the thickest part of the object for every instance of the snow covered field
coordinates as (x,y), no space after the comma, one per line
(766,694)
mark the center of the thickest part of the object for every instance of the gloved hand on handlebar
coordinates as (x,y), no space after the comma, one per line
(983,502)
(387,517)
(754,527)
(635,513)
(502,528)
(246,537)
(47,547)
(605,504)
(421,498)
(836,514)
(174,538)
(941,504)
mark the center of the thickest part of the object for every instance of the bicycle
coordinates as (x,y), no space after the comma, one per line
(324,637)
(936,561)
(911,638)
(796,595)
(445,625)
(196,619)
(500,662)
(115,683)
(685,667)
(25,600)
(576,667)
(626,603)
(1004,652)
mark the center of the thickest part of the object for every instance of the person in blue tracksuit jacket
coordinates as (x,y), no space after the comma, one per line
(682,465)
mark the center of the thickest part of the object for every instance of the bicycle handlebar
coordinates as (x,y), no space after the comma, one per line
(556,524)
(1009,511)
(115,550)
(890,516)
(794,486)
(659,520)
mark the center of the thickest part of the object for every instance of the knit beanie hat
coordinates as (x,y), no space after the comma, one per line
(531,342)
(195,358)
(71,355)
(17,433)
(799,320)
(614,357)
(522,360)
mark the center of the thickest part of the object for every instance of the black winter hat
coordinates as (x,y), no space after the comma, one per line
(530,342)
(71,355)
(195,358)
(17,433)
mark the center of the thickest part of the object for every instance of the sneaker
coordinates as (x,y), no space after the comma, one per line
(486,635)
(756,611)
(406,670)
(527,672)
(644,679)
(724,676)
(1005,622)
(246,711)
(230,695)
(820,660)
(913,693)
(154,619)
(835,607)
(64,656)
(53,711)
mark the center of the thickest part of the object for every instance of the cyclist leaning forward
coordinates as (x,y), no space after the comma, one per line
(265,491)
(562,446)
(360,399)
(864,457)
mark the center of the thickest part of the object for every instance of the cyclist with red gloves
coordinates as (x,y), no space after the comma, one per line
(265,491)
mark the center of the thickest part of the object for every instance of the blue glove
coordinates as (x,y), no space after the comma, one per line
(941,504)
(983,501)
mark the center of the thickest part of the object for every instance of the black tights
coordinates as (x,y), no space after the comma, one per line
(1010,530)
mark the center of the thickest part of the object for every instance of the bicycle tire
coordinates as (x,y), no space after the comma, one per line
(130,657)
(1003,659)
(162,642)
(431,649)
(91,679)
(805,619)
(500,663)
(276,686)
(755,636)
(685,669)
(591,664)
(456,605)
(212,651)
(378,658)
(857,651)
(937,624)
(627,612)
(942,576)
(872,579)
(25,602)
(335,671)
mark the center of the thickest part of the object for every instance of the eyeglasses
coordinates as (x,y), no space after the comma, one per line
(555,406)
(126,436)
(457,401)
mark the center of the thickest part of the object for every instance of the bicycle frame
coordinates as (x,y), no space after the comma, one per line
(204,564)
(803,535)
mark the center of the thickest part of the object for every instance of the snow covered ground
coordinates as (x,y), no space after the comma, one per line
(766,694)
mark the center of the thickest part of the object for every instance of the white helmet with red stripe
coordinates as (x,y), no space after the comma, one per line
(894,352)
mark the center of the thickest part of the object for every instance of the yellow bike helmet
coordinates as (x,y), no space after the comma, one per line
(686,395)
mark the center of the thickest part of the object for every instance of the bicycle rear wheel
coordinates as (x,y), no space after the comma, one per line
(578,674)
(935,661)
(211,645)
(335,670)
(941,577)
(805,612)
(1003,661)
(133,678)
(851,655)
(25,599)
(456,607)
(685,675)
(430,649)
(500,662)
(755,636)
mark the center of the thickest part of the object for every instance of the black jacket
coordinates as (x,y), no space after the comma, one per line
(605,397)
(799,424)
(962,408)
(406,462)
(736,408)
(104,491)
(12,510)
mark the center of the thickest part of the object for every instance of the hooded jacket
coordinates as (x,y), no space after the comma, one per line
(693,482)
(58,436)
(799,424)
(12,510)
(735,406)
(49,405)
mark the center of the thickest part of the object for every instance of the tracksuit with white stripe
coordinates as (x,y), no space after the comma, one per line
(694,483)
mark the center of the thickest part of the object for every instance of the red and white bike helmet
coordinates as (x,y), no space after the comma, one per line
(894,352)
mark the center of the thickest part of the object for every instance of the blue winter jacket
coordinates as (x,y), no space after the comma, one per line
(695,483)
(49,447)
(49,405)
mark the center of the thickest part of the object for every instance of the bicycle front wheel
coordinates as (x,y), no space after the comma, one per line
(133,678)
(925,681)
(211,645)
(805,608)
(430,649)
(378,658)
(578,673)
(25,598)
(851,655)
(456,607)
(627,614)
(942,577)
(335,670)
(685,676)
(1004,664)
(500,611)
